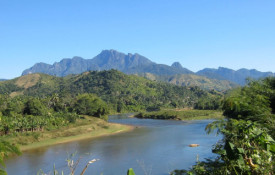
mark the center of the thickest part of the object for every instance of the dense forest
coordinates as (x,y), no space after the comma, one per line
(248,145)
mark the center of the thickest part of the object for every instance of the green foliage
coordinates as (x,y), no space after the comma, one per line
(181,114)
(34,107)
(203,82)
(11,106)
(165,115)
(24,123)
(89,104)
(46,86)
(8,87)
(122,93)
(130,171)
(210,102)
(71,117)
(129,93)
(245,149)
(208,167)
(253,102)
(248,145)
(6,148)
(23,113)
(153,108)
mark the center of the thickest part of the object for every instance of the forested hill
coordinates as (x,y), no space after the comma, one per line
(120,91)
(193,80)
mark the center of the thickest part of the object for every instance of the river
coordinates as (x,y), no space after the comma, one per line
(154,147)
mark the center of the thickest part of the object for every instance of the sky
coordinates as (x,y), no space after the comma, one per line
(197,33)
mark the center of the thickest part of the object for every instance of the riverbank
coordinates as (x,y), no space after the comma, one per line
(90,127)
(157,140)
(182,114)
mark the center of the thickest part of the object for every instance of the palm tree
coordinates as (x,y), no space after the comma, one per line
(5,149)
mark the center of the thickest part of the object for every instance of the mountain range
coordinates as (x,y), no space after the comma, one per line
(106,60)
(140,65)
(238,77)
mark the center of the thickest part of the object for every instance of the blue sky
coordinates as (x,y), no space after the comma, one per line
(197,33)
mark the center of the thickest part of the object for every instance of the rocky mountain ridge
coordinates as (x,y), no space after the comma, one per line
(138,64)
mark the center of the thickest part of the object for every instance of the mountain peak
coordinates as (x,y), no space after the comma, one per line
(111,51)
(177,65)
(77,58)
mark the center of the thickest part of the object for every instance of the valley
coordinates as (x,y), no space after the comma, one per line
(39,111)
(137,87)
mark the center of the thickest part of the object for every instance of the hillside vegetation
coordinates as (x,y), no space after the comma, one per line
(193,80)
(248,145)
(120,91)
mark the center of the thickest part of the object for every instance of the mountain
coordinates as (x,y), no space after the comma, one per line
(238,76)
(66,66)
(177,65)
(3,79)
(111,59)
(138,64)
(129,64)
(193,80)
(119,90)
(106,60)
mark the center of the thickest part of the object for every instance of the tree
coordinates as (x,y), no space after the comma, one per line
(89,104)
(33,106)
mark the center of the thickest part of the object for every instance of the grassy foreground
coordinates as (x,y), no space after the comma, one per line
(182,114)
(89,127)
